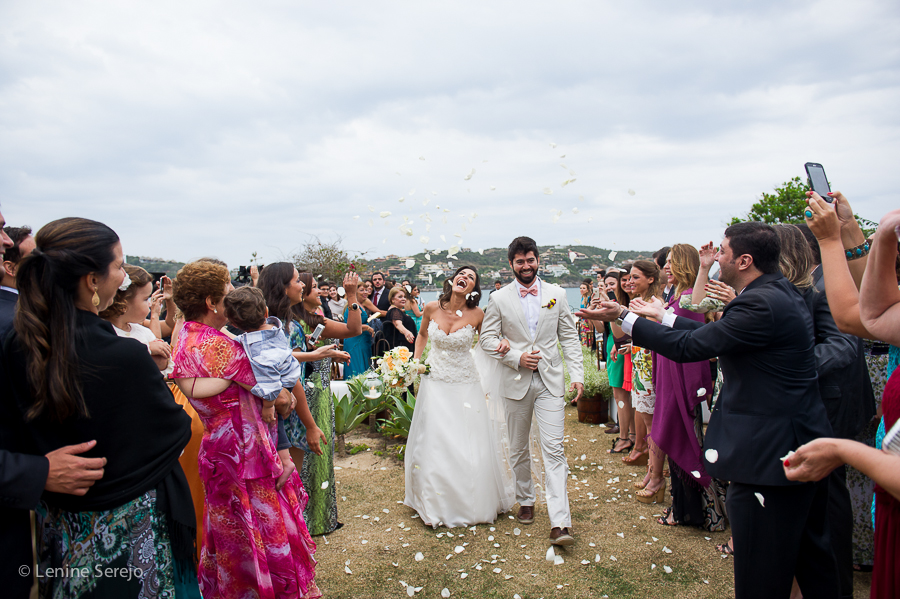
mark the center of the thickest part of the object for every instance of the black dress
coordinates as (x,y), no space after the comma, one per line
(393,336)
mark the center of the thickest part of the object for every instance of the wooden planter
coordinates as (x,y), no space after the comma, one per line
(593,410)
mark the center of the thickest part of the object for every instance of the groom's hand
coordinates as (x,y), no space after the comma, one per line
(530,360)
(503,348)
(579,388)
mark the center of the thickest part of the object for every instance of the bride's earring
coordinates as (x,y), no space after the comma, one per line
(96,299)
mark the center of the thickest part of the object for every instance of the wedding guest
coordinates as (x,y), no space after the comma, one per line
(336,303)
(497,285)
(646,283)
(765,346)
(585,328)
(843,385)
(380,294)
(414,305)
(129,308)
(399,328)
(659,256)
(681,388)
(293,297)
(875,314)
(240,466)
(615,372)
(626,413)
(22,244)
(360,347)
(139,515)
(324,309)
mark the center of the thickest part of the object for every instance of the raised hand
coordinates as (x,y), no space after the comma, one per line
(608,311)
(824,222)
(707,255)
(166,286)
(351,282)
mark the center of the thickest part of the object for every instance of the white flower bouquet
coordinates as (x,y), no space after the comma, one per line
(399,369)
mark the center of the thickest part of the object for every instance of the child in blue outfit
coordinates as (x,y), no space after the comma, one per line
(275,368)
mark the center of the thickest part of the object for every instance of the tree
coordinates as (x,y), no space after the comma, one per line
(327,259)
(786,205)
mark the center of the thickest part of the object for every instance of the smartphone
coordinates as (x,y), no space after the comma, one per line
(818,182)
(314,337)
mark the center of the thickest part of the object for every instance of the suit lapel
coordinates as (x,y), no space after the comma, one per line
(517,307)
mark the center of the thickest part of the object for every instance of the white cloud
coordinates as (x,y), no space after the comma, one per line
(226,128)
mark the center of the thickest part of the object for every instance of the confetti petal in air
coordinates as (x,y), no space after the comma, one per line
(548,191)
(493,188)
(371,208)
(371,223)
(401,199)
(459,313)
(761,499)
(410,263)
(567,181)
(341,291)
(552,145)
(469,176)
(631,192)
(356,217)
(411,192)
(421,158)
(574,210)
(384,214)
(443,238)
(621,405)
(427,256)
(423,240)
(712,456)
(612,255)
(325,484)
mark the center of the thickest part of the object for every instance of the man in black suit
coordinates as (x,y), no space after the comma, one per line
(769,405)
(24,477)
(380,296)
(23,243)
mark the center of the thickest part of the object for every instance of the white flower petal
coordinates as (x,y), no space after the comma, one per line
(621,405)
(348,570)
(459,313)
(551,554)
(558,560)
(613,558)
(701,391)
(612,255)
(419,556)
(518,377)
(552,145)
(667,569)
(469,176)
(631,192)
(548,191)
(712,456)
(445,593)
(666,550)
(341,291)
(761,499)
(695,473)
(325,484)
(384,214)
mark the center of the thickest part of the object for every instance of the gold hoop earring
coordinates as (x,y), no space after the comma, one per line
(96,299)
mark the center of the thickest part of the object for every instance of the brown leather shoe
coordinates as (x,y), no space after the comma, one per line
(526,514)
(561,536)
(612,430)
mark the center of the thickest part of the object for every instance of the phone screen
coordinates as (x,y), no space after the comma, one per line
(817,180)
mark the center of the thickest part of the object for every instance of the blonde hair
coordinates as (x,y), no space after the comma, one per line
(684,264)
(796,259)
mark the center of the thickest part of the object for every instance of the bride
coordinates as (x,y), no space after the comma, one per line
(456,474)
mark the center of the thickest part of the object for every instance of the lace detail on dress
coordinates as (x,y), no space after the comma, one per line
(450,357)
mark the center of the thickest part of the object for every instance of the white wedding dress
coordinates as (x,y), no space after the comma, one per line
(457,470)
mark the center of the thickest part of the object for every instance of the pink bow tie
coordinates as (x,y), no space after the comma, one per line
(531,291)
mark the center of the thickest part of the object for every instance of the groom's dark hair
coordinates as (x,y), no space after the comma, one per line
(522,245)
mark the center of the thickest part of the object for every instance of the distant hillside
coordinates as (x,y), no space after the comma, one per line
(556,264)
(155,264)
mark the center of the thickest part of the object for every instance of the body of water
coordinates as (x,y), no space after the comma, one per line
(573,294)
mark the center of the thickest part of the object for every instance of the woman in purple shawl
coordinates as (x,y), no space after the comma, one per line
(697,499)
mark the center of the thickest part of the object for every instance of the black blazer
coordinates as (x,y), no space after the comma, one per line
(770,402)
(8,301)
(844,382)
(384,303)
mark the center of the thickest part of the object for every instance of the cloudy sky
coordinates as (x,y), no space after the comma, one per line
(223,128)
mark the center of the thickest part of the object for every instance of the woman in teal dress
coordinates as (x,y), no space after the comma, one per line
(414,306)
(359,347)
(293,297)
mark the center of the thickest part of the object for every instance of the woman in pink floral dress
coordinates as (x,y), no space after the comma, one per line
(256,543)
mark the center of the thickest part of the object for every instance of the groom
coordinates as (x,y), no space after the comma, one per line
(532,317)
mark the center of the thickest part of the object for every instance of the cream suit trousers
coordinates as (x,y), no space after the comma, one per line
(549,412)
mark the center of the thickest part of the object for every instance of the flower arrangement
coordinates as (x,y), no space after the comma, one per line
(549,304)
(399,368)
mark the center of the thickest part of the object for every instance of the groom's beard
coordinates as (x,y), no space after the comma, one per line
(528,279)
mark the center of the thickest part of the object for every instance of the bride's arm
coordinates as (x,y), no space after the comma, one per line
(422,338)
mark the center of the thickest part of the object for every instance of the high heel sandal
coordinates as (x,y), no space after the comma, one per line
(665,518)
(624,449)
(640,460)
(645,496)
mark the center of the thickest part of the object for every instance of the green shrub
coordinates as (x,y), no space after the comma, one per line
(400,418)
(596,381)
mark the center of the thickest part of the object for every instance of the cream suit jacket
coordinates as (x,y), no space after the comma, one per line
(505,319)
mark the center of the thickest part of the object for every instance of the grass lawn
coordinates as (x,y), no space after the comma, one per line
(381,538)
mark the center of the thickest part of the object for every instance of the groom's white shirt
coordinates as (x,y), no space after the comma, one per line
(506,317)
(531,304)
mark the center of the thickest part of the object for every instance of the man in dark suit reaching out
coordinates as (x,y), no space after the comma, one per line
(769,405)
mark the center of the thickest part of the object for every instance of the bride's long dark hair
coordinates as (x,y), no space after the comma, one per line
(474,296)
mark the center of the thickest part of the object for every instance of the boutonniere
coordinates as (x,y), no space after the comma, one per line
(549,304)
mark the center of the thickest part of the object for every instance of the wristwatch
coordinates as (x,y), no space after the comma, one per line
(622,316)
(354,306)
